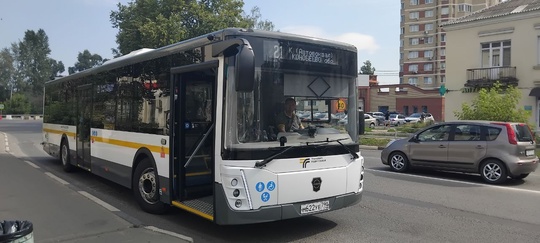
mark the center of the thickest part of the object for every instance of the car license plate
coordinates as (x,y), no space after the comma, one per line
(315,207)
(529,152)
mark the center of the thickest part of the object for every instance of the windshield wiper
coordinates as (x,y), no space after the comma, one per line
(262,163)
(354,155)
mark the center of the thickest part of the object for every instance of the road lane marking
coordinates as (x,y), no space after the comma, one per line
(32,164)
(456,181)
(99,201)
(57,178)
(183,237)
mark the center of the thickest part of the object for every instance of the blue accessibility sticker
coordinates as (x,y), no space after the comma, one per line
(259,187)
(187,125)
(271,185)
(265,196)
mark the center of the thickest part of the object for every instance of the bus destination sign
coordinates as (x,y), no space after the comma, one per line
(300,52)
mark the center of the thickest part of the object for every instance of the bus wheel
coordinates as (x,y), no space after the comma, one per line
(65,157)
(145,188)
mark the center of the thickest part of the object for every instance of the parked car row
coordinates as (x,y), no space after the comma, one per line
(495,150)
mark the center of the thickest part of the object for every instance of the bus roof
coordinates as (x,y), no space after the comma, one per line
(145,54)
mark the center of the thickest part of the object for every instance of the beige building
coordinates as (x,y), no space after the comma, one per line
(422,42)
(500,43)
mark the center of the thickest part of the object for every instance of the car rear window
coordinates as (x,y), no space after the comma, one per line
(523,133)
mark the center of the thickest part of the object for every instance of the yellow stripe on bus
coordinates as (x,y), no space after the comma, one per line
(69,134)
(192,210)
(153,148)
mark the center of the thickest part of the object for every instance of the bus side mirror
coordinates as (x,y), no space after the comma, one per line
(244,69)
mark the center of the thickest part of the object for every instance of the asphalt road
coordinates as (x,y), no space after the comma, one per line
(419,206)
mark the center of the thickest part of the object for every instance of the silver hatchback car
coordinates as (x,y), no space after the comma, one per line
(495,150)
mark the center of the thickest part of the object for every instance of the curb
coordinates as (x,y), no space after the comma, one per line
(366,147)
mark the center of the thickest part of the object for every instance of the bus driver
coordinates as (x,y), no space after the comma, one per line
(288,121)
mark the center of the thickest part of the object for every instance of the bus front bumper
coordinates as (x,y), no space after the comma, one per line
(225,215)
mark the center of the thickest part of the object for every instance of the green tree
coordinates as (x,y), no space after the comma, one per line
(18,104)
(367,69)
(255,20)
(33,62)
(152,24)
(7,73)
(86,60)
(495,104)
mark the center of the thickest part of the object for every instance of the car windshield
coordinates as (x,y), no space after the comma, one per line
(415,115)
(523,133)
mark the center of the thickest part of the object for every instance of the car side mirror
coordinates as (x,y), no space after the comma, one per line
(414,138)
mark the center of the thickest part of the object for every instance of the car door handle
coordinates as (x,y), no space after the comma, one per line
(479,147)
(442,146)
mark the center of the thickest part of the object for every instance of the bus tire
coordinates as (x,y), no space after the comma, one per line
(65,157)
(145,186)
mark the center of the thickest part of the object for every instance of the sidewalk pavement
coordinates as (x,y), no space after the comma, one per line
(61,212)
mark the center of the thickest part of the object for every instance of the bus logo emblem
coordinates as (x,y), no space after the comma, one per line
(316,183)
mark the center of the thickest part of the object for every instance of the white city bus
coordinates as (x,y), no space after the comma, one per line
(192,125)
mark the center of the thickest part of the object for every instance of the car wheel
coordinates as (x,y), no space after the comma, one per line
(398,162)
(520,177)
(372,125)
(145,186)
(493,172)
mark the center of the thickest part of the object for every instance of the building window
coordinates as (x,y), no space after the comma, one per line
(414,15)
(428,13)
(424,108)
(402,30)
(496,54)
(465,8)
(413,41)
(428,40)
(413,68)
(413,81)
(401,80)
(429,27)
(413,54)
(443,37)
(444,10)
(428,80)
(406,110)
(443,65)
(401,55)
(383,108)
(414,28)
(538,61)
(443,52)
(428,1)
(414,2)
(401,42)
(401,67)
(402,18)
(428,54)
(428,67)
(415,109)
(443,79)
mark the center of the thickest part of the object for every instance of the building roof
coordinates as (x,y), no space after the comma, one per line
(505,8)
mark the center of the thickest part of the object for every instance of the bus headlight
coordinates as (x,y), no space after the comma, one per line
(234,182)
(236,193)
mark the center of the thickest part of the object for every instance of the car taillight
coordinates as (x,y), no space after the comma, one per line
(509,131)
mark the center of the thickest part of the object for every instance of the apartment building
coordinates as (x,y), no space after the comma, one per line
(423,44)
(498,44)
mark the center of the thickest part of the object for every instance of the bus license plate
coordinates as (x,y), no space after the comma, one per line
(315,207)
(529,152)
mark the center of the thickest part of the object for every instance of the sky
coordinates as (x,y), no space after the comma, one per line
(75,25)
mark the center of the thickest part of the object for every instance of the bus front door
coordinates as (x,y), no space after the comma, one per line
(194,125)
(84,115)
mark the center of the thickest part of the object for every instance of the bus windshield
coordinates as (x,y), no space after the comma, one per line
(319,79)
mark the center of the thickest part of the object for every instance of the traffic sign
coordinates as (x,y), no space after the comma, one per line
(341,105)
(1,106)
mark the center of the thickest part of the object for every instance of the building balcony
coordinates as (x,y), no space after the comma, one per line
(487,77)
